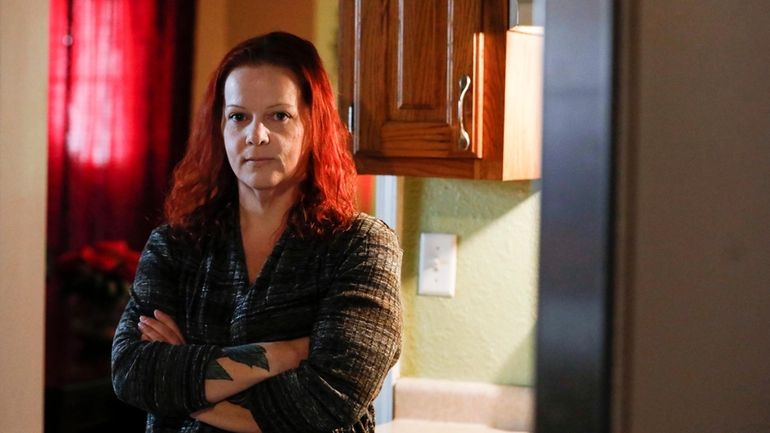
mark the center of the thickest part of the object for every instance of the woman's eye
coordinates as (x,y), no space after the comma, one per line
(236,116)
(281,116)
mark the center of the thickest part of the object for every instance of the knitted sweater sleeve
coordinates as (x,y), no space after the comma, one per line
(355,340)
(157,377)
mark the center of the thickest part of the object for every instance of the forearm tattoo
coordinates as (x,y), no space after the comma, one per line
(216,371)
(241,399)
(252,355)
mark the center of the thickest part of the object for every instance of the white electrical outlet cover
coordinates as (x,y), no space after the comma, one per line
(438,264)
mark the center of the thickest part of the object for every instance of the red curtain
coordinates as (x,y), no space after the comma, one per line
(113,76)
(118,115)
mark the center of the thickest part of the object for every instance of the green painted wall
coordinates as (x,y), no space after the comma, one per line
(484,333)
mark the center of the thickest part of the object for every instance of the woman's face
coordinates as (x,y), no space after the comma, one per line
(262,127)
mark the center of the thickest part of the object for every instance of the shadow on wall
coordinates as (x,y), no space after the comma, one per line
(469,205)
(522,357)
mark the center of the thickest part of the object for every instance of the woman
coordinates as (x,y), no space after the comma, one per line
(266,303)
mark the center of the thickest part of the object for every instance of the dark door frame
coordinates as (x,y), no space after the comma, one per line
(575,293)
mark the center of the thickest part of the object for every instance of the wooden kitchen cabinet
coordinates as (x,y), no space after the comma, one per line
(403,65)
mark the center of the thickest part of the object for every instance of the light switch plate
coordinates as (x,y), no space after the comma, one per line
(438,264)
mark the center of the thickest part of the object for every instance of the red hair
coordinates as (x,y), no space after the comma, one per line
(204,186)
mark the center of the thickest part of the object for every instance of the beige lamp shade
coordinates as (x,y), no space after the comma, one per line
(523,130)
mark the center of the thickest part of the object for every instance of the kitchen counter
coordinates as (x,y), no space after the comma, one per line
(432,405)
(421,426)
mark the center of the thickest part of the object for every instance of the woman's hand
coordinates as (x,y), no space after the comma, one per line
(160,328)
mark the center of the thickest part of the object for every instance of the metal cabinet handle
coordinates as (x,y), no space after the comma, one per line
(350,118)
(465,139)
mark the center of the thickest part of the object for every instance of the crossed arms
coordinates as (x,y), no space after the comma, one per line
(354,340)
(239,368)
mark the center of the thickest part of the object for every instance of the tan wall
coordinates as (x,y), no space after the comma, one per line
(221,24)
(695,214)
(327,24)
(23,140)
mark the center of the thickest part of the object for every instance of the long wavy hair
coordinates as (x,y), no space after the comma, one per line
(204,188)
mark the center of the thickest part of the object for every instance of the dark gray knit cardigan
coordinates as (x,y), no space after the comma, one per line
(342,292)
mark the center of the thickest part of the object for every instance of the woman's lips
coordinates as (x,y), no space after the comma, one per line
(257,161)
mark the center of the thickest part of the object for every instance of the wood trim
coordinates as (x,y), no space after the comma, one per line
(346,43)
(492,65)
(627,58)
(438,167)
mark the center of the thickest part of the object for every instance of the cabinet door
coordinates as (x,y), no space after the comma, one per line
(415,84)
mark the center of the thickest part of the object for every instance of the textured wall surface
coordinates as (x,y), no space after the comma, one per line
(23,86)
(485,333)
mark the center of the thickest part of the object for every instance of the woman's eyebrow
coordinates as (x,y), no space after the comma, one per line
(281,104)
(276,105)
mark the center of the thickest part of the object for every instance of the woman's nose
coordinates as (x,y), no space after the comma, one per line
(258,134)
